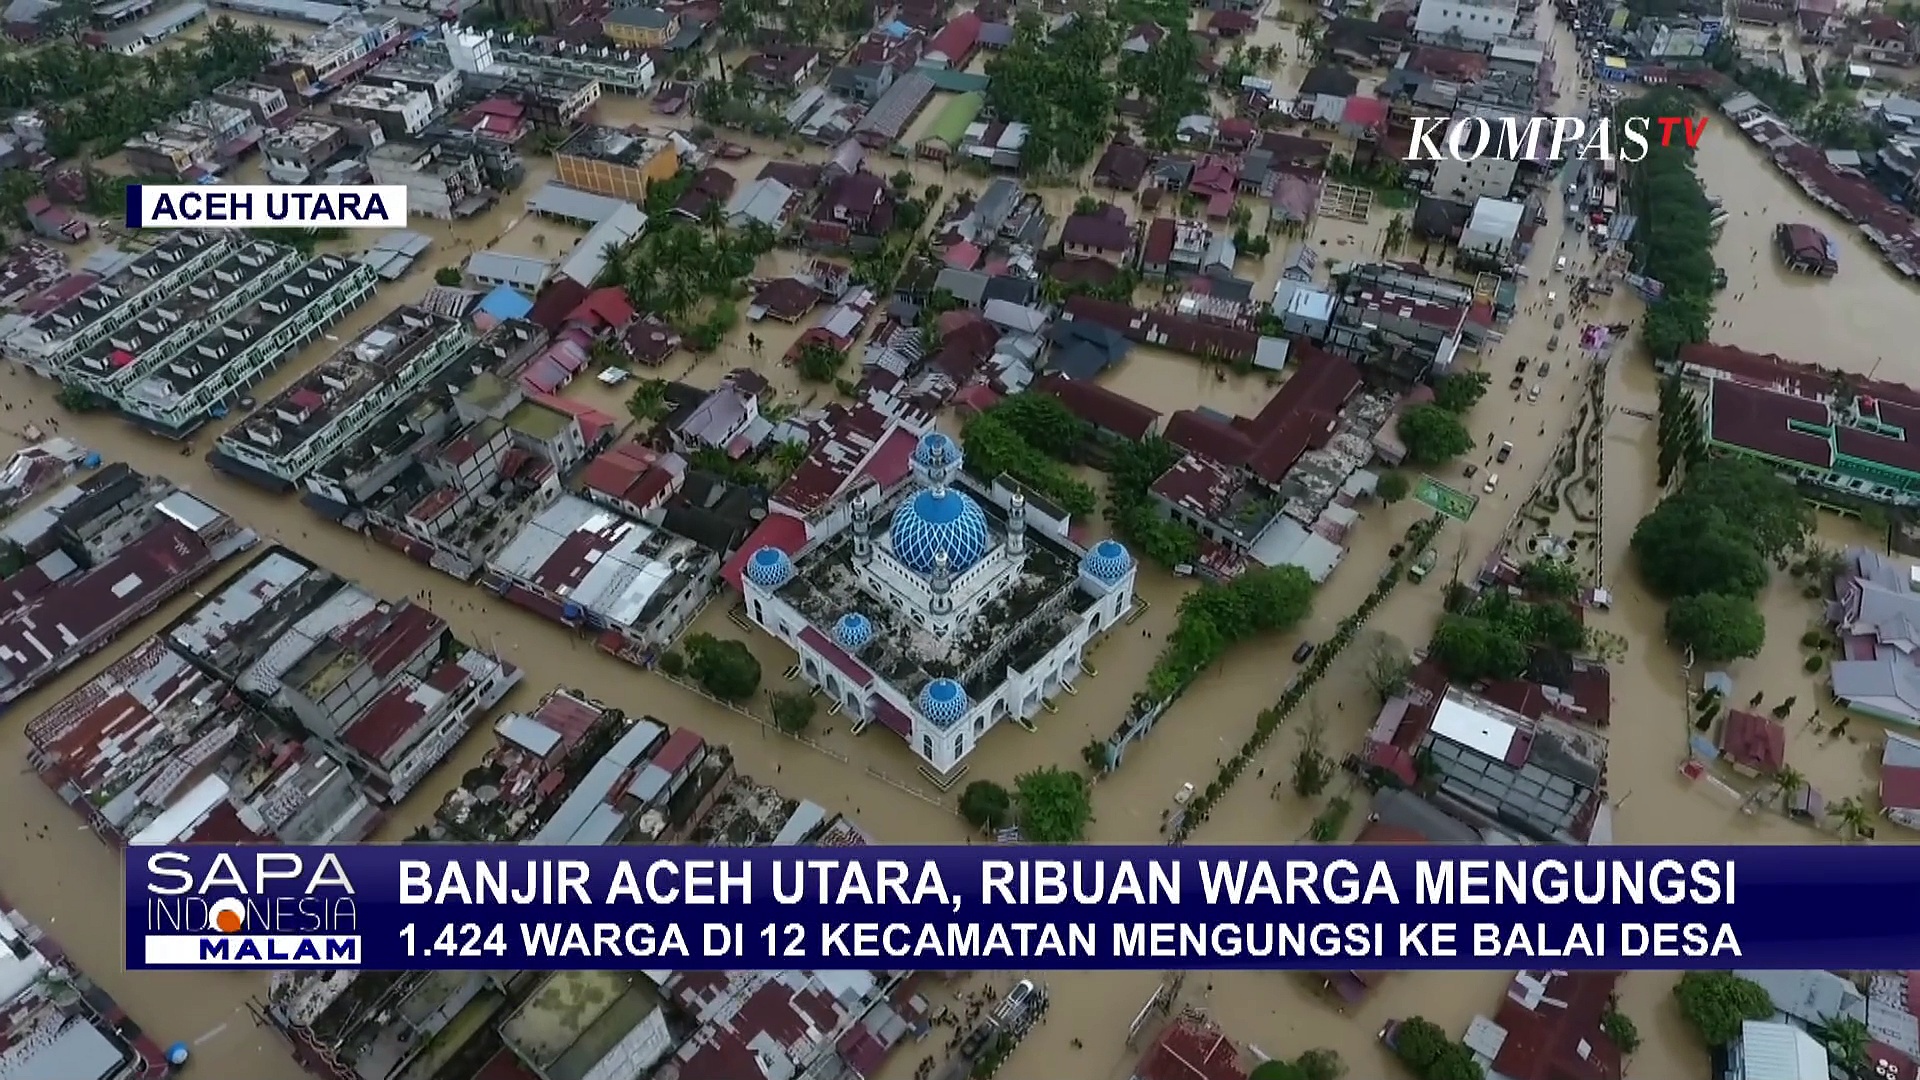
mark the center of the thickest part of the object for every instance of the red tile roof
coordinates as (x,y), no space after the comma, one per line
(1755,741)
(1101,407)
(789,534)
(1301,414)
(853,436)
(1759,420)
(1191,1049)
(957,40)
(606,307)
(1899,787)
(854,670)
(556,304)
(1553,1024)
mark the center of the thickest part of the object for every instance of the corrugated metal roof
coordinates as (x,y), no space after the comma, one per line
(1775,1051)
(519,270)
(78,1052)
(573,204)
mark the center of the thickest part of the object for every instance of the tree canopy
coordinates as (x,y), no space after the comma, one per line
(1550,577)
(1054,85)
(1215,617)
(1132,467)
(1495,637)
(1717,628)
(1719,1003)
(1433,435)
(986,805)
(1687,546)
(1460,392)
(1673,243)
(1393,487)
(723,667)
(995,442)
(1055,806)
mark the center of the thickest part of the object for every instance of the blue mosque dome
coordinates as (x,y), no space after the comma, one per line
(937,520)
(853,631)
(1109,561)
(944,702)
(936,448)
(769,568)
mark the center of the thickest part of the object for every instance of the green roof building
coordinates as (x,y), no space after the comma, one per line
(944,136)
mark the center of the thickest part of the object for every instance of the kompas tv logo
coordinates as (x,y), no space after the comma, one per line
(1550,138)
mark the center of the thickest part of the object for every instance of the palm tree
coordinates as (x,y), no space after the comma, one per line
(1791,784)
(649,401)
(787,457)
(1853,819)
(1846,1040)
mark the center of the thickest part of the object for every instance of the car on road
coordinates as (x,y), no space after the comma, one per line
(1520,365)
(1545,369)
(1553,343)
(1506,451)
(1301,653)
(1516,383)
(1493,481)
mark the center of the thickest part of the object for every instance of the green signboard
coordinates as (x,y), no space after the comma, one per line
(1452,502)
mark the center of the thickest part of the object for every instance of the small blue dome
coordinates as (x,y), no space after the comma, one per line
(769,568)
(1109,561)
(944,702)
(937,449)
(932,522)
(853,631)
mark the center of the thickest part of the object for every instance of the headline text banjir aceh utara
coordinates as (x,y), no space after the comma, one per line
(919,883)
(1350,911)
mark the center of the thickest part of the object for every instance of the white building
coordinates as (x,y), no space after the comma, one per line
(1489,175)
(1475,22)
(1769,1050)
(399,110)
(1494,229)
(956,618)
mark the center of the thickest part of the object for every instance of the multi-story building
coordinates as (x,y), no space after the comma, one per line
(627,71)
(160,334)
(640,27)
(442,181)
(132,39)
(221,364)
(583,565)
(201,136)
(1475,23)
(56,611)
(620,164)
(945,621)
(378,682)
(438,80)
(294,155)
(284,439)
(264,102)
(54,337)
(1490,175)
(399,110)
(1402,322)
(333,57)
(154,750)
(480,378)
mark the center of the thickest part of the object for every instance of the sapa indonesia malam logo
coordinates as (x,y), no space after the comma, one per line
(1550,138)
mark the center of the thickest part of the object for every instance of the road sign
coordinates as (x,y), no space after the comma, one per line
(1452,502)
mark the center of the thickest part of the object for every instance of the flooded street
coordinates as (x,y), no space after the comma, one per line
(69,881)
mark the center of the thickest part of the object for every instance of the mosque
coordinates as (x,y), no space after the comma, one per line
(955,617)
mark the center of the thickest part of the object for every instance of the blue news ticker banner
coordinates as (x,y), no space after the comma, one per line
(419,907)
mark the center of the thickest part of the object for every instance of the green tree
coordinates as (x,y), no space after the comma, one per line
(1419,1042)
(1473,648)
(648,402)
(1846,1039)
(1460,393)
(1686,546)
(820,362)
(1719,1003)
(449,276)
(1455,1062)
(723,667)
(1432,435)
(794,711)
(1555,625)
(1550,577)
(1055,806)
(1717,628)
(1750,494)
(1621,1029)
(1045,424)
(986,805)
(1393,487)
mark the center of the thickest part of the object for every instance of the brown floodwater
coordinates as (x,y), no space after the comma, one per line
(69,881)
